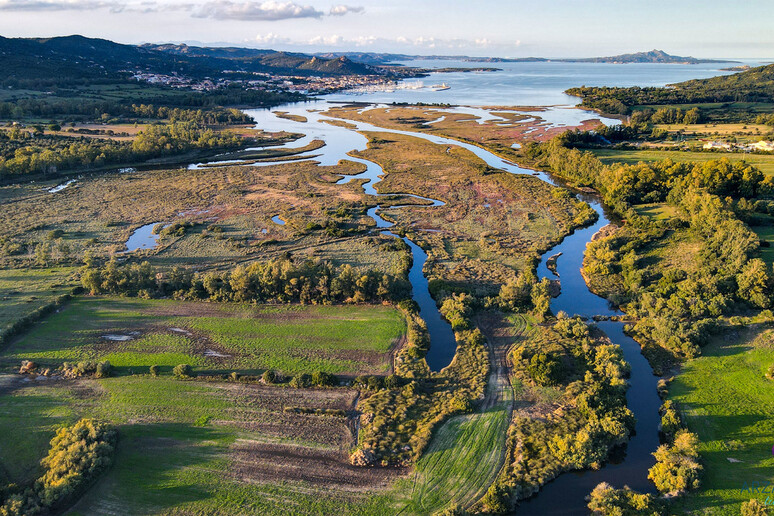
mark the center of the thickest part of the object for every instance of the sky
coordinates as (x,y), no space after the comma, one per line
(500,28)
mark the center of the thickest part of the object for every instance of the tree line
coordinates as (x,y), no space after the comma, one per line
(78,454)
(30,152)
(677,306)
(279,280)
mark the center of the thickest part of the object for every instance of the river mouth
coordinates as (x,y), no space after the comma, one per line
(566,494)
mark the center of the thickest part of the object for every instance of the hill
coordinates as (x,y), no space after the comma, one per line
(72,59)
(654,56)
(755,85)
(259,60)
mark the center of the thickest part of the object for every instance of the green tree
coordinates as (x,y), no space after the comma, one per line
(183,371)
(754,508)
(541,298)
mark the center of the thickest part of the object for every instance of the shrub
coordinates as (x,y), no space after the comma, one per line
(323,379)
(670,420)
(182,371)
(392,381)
(77,454)
(677,469)
(301,381)
(608,501)
(545,369)
(234,376)
(103,369)
(269,376)
(454,510)
(754,508)
(496,499)
(155,370)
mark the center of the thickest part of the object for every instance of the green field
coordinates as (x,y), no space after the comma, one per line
(190,447)
(764,162)
(726,399)
(766,232)
(656,211)
(203,447)
(462,460)
(24,290)
(134,334)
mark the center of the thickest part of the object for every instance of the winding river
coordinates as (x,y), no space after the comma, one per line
(565,495)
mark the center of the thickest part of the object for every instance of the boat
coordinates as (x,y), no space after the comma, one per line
(441,87)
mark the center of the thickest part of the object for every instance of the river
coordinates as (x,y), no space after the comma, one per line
(536,84)
(566,494)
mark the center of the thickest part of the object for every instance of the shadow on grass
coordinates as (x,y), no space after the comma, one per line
(157,467)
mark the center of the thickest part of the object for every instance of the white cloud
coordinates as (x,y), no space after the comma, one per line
(396,44)
(326,40)
(252,11)
(271,39)
(341,10)
(59,5)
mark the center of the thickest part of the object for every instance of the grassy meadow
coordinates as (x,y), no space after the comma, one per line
(764,162)
(206,446)
(24,290)
(727,400)
(133,334)
(190,447)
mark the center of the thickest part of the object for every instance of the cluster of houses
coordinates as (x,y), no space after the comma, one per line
(302,84)
(762,146)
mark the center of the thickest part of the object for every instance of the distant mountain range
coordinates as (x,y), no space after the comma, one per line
(80,57)
(77,58)
(654,56)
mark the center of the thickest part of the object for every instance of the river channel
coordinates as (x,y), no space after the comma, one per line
(565,495)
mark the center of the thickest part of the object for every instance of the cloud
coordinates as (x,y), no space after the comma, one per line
(419,44)
(341,10)
(253,11)
(247,10)
(59,5)
(271,39)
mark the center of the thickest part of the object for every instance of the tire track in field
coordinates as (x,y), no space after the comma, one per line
(468,451)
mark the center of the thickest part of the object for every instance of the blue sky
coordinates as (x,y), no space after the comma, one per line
(515,28)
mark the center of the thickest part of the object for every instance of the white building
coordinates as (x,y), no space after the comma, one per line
(717,146)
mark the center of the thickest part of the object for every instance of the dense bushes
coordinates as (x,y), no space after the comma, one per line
(604,500)
(622,184)
(588,418)
(754,85)
(279,280)
(399,414)
(676,306)
(78,454)
(98,369)
(25,153)
(317,379)
(677,468)
(183,371)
